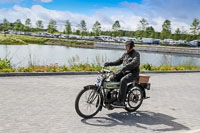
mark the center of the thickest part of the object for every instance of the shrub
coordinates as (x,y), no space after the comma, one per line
(5,64)
(146,67)
(189,65)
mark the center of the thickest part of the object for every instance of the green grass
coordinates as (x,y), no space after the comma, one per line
(68,42)
(31,39)
(10,39)
(166,67)
(88,67)
(6,66)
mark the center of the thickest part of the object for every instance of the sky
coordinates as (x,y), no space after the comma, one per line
(181,13)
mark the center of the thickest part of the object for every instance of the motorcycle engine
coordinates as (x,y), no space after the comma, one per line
(111,95)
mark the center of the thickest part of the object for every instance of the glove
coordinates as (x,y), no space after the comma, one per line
(107,64)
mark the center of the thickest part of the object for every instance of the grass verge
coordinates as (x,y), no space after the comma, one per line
(11,39)
(89,68)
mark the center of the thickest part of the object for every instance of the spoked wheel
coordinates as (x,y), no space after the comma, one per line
(88,102)
(134,100)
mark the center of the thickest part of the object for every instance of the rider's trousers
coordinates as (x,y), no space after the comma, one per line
(124,80)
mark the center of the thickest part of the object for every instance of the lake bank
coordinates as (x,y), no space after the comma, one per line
(25,40)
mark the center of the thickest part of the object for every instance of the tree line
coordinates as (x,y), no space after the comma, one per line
(143,30)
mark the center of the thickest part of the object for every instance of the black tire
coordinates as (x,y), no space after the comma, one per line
(93,97)
(135,95)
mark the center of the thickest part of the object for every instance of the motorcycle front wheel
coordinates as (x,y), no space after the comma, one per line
(88,102)
(134,99)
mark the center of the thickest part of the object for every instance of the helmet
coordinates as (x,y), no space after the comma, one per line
(131,43)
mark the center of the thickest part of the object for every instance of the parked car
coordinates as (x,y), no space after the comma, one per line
(150,41)
(74,37)
(147,40)
(195,43)
(12,32)
(167,41)
(63,36)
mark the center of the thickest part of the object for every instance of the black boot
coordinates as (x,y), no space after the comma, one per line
(119,103)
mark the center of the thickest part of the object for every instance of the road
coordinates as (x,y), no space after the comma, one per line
(45,104)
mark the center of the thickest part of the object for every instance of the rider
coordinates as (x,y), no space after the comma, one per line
(128,73)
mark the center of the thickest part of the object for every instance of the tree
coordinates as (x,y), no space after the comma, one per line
(52,26)
(6,25)
(129,33)
(116,26)
(177,34)
(195,26)
(150,32)
(97,28)
(18,26)
(83,27)
(143,24)
(139,33)
(157,35)
(78,32)
(120,33)
(28,22)
(39,24)
(166,29)
(68,29)
(27,26)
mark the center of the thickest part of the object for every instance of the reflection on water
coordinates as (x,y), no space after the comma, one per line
(24,55)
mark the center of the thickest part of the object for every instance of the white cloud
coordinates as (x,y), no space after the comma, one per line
(128,17)
(180,12)
(37,12)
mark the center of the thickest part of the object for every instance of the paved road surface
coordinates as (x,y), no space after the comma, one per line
(46,105)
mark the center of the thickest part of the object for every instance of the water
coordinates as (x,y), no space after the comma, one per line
(24,55)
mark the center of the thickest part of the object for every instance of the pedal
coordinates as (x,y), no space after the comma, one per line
(146,97)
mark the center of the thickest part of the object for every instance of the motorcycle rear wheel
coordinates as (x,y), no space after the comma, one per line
(88,102)
(134,99)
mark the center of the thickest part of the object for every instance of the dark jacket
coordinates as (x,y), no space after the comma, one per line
(130,61)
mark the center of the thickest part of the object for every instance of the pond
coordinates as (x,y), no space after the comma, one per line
(24,55)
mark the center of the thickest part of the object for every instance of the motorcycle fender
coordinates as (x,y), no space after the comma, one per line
(129,86)
(143,90)
(89,86)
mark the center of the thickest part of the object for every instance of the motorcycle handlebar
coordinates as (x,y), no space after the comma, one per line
(104,70)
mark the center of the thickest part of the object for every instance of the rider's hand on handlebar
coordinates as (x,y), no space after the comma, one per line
(117,73)
(106,64)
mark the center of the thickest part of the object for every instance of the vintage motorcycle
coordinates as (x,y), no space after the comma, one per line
(92,98)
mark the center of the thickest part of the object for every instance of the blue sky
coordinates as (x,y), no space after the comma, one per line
(84,6)
(128,12)
(76,6)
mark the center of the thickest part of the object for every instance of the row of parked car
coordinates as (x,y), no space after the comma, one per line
(170,42)
(109,38)
(151,41)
